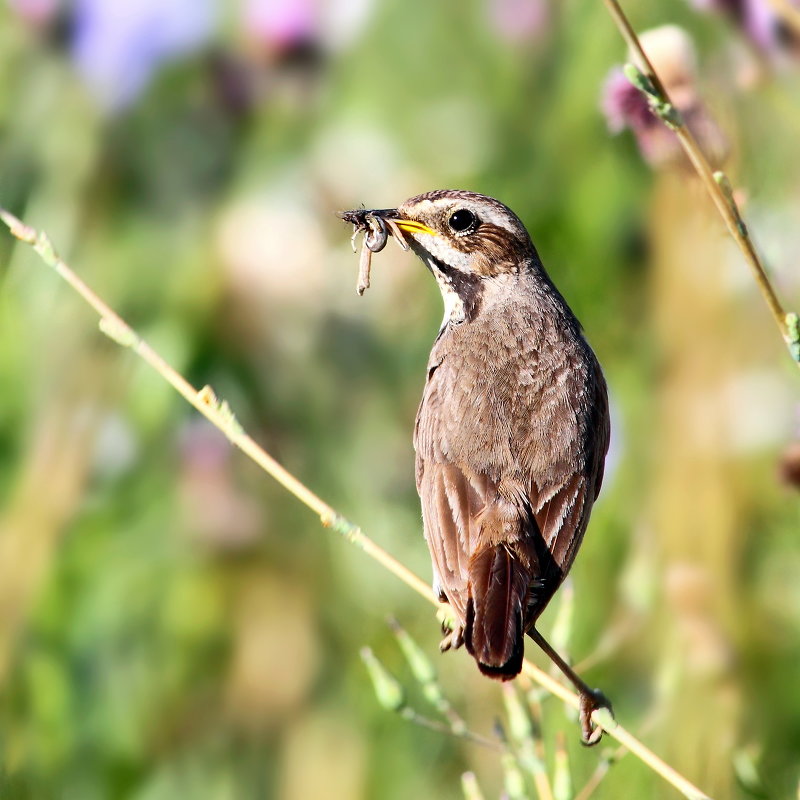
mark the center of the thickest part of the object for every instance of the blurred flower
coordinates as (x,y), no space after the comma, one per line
(519,20)
(280,56)
(357,160)
(789,462)
(756,406)
(274,656)
(690,592)
(623,105)
(116,447)
(672,54)
(789,466)
(272,250)
(118,47)
(215,511)
(344,20)
(282,28)
(38,13)
(299,31)
(617,444)
(761,22)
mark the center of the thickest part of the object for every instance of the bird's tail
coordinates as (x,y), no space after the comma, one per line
(498,589)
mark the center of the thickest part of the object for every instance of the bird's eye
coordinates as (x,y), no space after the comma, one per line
(462,221)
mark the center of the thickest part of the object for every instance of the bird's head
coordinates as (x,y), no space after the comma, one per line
(467,240)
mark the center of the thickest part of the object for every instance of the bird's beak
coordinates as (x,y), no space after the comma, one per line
(405,225)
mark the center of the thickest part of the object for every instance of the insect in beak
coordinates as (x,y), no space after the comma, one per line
(376,227)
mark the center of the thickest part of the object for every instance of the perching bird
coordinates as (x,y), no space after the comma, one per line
(511,434)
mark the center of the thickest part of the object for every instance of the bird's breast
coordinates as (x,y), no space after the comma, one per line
(501,396)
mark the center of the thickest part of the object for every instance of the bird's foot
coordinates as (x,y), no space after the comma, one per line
(591,701)
(453,640)
(452,629)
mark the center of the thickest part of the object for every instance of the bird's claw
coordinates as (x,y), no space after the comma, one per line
(590,702)
(452,629)
(453,639)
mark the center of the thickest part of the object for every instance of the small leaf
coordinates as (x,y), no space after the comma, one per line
(469,785)
(562,780)
(793,334)
(519,722)
(421,666)
(639,80)
(514,782)
(388,691)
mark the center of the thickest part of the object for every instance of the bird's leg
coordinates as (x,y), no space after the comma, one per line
(452,629)
(591,699)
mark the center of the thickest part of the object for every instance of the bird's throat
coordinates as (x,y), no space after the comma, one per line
(461,292)
(453,304)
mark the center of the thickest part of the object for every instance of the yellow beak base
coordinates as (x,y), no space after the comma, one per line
(410,226)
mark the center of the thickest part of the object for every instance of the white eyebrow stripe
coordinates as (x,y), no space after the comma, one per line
(498,217)
(483,211)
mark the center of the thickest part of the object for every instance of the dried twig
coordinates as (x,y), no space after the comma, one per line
(645,78)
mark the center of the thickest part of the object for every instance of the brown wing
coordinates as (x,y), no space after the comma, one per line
(451,507)
(538,503)
(562,510)
(479,549)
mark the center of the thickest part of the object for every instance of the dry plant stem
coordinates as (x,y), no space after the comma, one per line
(205,402)
(597,776)
(525,740)
(439,727)
(724,204)
(541,778)
(602,769)
(616,731)
(219,414)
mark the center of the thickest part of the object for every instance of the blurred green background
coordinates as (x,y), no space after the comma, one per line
(172,623)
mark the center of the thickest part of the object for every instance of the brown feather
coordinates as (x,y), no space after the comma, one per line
(511,432)
(498,588)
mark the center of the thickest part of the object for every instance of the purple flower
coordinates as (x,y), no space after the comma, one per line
(281,25)
(519,20)
(672,54)
(718,6)
(623,105)
(761,24)
(118,46)
(758,21)
(36,12)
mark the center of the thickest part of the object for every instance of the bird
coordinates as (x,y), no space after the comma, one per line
(511,433)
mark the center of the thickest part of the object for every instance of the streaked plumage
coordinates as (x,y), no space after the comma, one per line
(512,430)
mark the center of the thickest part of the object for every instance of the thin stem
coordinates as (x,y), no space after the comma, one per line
(526,740)
(596,778)
(425,674)
(540,777)
(602,769)
(206,403)
(724,202)
(219,414)
(410,715)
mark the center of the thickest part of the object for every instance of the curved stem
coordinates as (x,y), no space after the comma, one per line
(724,202)
(219,414)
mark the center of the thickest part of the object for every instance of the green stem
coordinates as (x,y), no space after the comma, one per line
(725,203)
